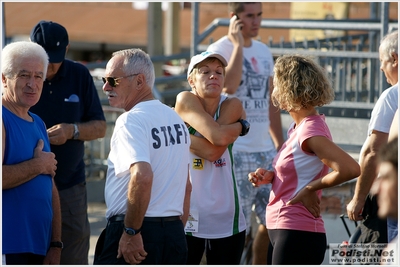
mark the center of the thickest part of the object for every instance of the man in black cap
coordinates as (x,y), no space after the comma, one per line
(71,108)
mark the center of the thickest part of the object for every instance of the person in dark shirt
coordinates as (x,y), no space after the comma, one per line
(71,109)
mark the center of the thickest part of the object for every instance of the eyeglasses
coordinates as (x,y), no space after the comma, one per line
(113,82)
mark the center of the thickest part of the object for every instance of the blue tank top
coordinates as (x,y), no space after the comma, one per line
(26,209)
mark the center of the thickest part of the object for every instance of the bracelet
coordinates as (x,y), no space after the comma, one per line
(57,244)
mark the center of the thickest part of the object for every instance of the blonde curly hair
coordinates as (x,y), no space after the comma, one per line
(299,82)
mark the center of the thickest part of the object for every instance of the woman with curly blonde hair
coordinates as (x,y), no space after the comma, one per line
(301,167)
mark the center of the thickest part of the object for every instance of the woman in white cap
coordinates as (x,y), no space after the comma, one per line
(216,223)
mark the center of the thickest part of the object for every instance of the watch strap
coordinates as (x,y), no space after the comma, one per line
(76,132)
(57,244)
(131,231)
(245,127)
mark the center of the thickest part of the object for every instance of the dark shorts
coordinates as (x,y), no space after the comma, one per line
(293,247)
(24,259)
(226,251)
(164,242)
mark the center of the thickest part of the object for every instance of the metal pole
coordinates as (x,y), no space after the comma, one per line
(384,30)
(154,34)
(384,19)
(172,29)
(195,28)
(373,44)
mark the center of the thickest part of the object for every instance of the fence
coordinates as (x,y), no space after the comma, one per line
(352,62)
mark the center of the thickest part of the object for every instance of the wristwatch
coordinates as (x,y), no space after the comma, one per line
(245,127)
(131,231)
(76,132)
(57,244)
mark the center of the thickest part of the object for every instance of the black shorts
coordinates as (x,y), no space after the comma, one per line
(293,247)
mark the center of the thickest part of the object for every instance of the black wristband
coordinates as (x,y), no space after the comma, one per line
(57,244)
(245,127)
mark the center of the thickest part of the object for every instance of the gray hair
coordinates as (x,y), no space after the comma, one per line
(389,44)
(137,61)
(14,53)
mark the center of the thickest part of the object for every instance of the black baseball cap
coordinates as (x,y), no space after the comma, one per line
(53,38)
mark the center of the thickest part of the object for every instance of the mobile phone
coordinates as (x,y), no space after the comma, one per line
(237,18)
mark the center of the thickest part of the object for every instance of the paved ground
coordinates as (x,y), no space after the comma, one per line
(348,133)
(335,229)
(96,212)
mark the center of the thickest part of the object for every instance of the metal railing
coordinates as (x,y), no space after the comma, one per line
(96,151)
(352,62)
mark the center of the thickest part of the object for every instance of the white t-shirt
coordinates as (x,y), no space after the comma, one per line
(150,132)
(253,91)
(384,110)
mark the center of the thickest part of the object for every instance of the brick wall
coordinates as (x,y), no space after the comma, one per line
(273,10)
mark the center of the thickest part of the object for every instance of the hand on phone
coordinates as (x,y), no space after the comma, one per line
(235,31)
(237,18)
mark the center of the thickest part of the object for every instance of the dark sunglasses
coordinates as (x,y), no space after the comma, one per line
(113,82)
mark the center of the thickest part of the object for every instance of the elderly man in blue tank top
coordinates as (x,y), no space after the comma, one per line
(31,225)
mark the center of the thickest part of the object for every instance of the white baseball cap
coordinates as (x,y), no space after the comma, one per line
(200,57)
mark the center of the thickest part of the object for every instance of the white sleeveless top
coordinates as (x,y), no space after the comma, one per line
(214,204)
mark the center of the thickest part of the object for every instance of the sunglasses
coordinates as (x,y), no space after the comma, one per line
(113,82)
